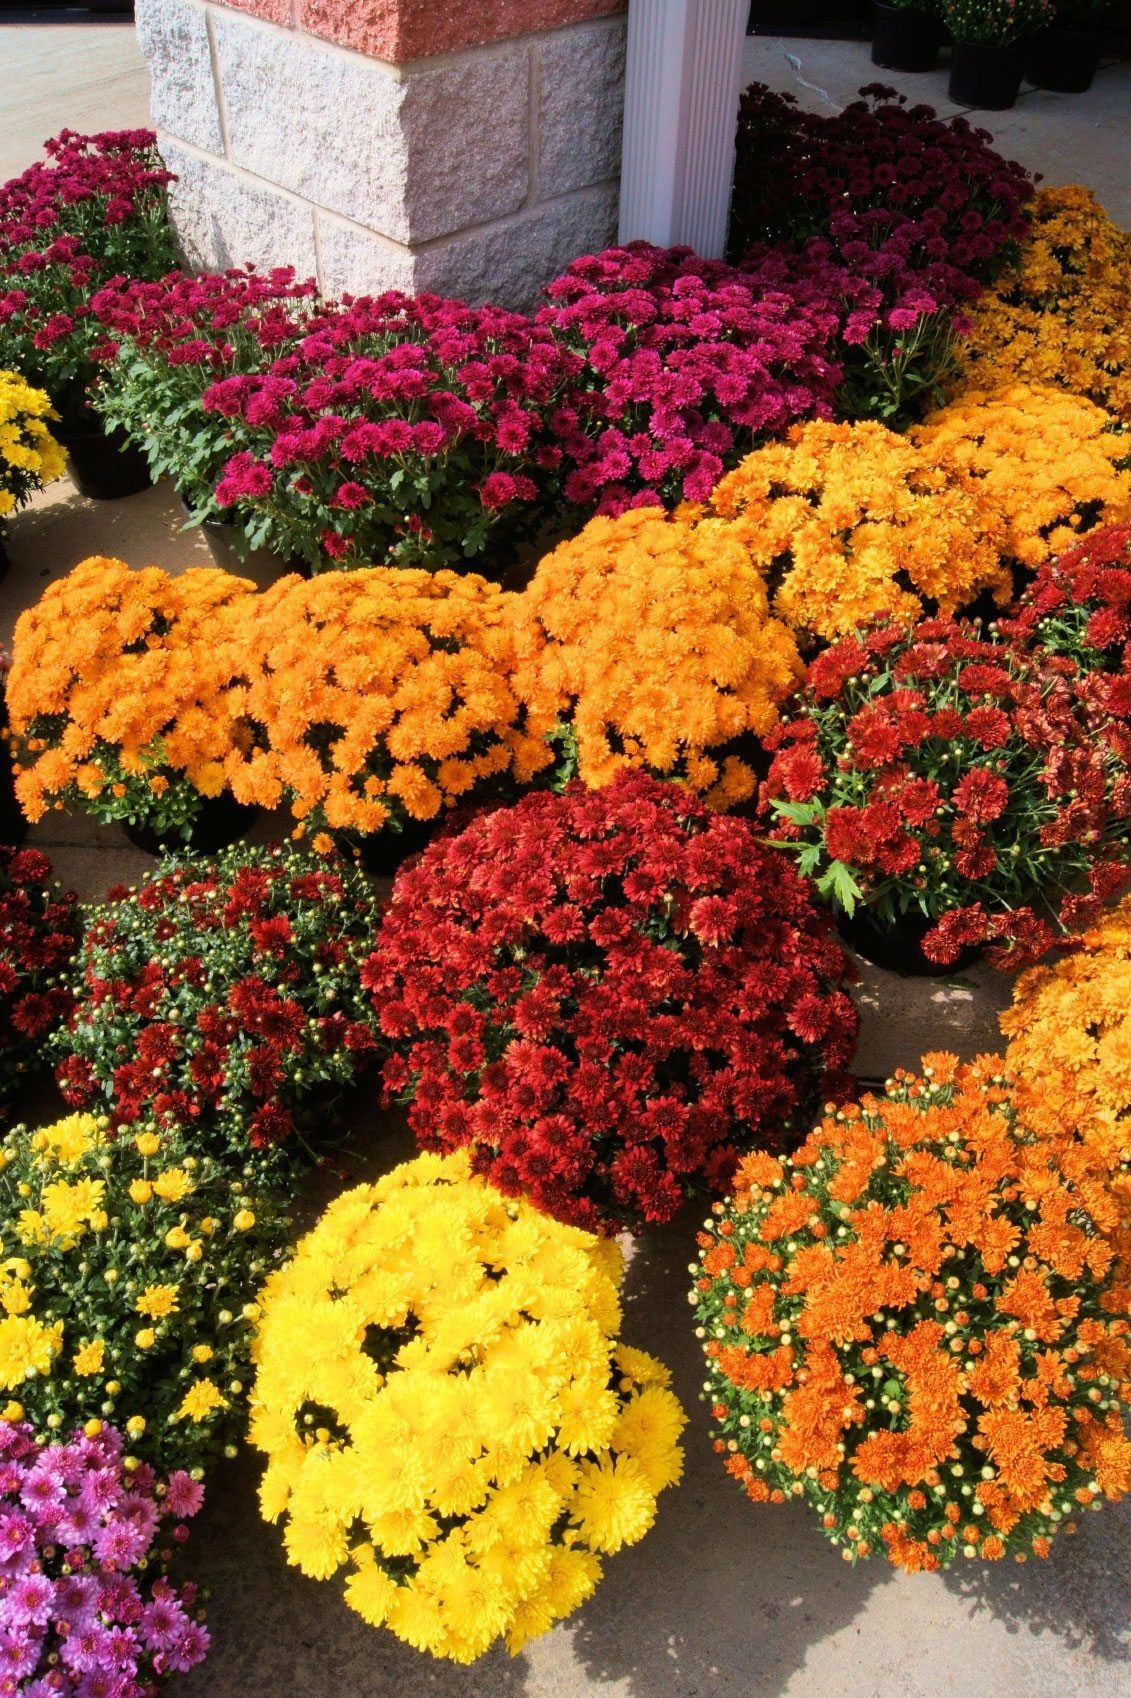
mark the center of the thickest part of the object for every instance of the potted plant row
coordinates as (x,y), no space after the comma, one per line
(991,39)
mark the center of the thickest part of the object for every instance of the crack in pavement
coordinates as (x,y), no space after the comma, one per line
(793,60)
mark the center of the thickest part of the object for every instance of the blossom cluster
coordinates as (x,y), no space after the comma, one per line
(912,213)
(84,1598)
(980,784)
(130,1270)
(400,430)
(686,364)
(607,995)
(646,640)
(1069,1027)
(997,23)
(1079,605)
(918,1326)
(116,692)
(1053,464)
(378,698)
(852,522)
(387,430)
(221,999)
(39,937)
(448,1414)
(797,169)
(29,455)
(1058,316)
(166,340)
(94,210)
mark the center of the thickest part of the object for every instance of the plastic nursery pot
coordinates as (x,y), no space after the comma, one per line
(898,947)
(4,561)
(1064,59)
(385,852)
(221,820)
(262,566)
(904,39)
(986,77)
(104,465)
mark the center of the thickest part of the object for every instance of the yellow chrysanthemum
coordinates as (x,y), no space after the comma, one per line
(157,1300)
(27,1347)
(89,1359)
(202,1399)
(427,1364)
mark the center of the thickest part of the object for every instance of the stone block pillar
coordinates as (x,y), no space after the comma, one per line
(470,147)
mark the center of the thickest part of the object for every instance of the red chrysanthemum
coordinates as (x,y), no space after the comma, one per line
(609,994)
(39,936)
(222,994)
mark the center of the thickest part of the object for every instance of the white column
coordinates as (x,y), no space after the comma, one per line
(680,113)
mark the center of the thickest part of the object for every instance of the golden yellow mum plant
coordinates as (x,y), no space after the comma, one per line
(377,697)
(647,641)
(1052,464)
(1069,1032)
(447,1413)
(129,1267)
(117,692)
(29,454)
(1062,314)
(849,522)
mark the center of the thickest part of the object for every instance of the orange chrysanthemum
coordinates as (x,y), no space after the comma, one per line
(919,1324)
(119,688)
(1062,314)
(378,696)
(649,638)
(852,522)
(1069,1032)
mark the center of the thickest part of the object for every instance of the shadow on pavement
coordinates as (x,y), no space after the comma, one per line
(1081,1593)
(724,1597)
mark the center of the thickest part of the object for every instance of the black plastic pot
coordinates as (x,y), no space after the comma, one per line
(385,852)
(986,77)
(261,566)
(1064,59)
(4,561)
(221,820)
(904,39)
(104,464)
(898,948)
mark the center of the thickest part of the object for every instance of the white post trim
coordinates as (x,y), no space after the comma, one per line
(680,111)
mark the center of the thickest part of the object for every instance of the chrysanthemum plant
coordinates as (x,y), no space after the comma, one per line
(397,430)
(131,1267)
(40,930)
(980,785)
(607,995)
(29,455)
(118,693)
(94,210)
(894,215)
(448,1416)
(1069,1049)
(852,522)
(222,1000)
(85,1602)
(917,1325)
(647,641)
(1059,315)
(379,699)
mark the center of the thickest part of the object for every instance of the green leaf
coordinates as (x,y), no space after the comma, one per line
(837,881)
(800,813)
